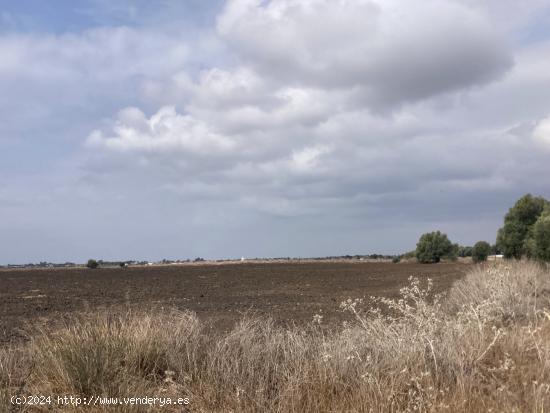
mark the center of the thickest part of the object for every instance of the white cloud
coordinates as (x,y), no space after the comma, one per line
(59,87)
(219,88)
(165,132)
(272,145)
(308,159)
(541,133)
(392,52)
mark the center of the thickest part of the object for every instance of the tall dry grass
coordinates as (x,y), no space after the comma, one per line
(483,347)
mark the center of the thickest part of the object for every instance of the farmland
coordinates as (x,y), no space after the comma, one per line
(256,340)
(220,294)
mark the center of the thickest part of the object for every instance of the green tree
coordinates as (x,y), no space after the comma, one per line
(481,251)
(453,255)
(433,246)
(464,251)
(514,237)
(529,244)
(92,264)
(541,236)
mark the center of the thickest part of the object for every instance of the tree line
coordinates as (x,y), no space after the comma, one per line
(525,234)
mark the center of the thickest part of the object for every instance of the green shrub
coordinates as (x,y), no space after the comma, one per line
(433,246)
(541,236)
(481,251)
(514,237)
(92,264)
(464,251)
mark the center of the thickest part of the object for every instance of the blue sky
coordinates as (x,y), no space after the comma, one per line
(62,16)
(170,129)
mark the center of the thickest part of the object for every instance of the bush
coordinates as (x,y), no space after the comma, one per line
(481,251)
(541,236)
(396,259)
(514,238)
(433,246)
(92,264)
(464,251)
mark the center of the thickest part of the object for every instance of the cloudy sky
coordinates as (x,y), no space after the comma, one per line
(176,129)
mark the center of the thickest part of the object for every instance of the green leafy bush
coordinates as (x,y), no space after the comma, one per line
(481,251)
(514,238)
(541,236)
(464,251)
(433,246)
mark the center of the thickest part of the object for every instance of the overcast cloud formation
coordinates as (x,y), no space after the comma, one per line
(252,128)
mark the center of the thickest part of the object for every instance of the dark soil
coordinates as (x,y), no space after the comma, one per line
(288,292)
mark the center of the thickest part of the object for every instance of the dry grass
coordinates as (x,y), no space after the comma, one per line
(484,347)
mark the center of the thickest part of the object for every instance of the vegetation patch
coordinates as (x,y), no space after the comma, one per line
(484,346)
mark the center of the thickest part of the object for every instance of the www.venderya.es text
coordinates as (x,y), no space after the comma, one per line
(72,400)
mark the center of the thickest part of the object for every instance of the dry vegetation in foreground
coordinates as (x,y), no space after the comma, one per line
(483,347)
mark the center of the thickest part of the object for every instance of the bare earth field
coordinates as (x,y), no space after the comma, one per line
(288,292)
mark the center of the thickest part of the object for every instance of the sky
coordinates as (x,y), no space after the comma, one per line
(266,128)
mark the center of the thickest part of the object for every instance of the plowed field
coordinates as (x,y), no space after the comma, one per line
(288,292)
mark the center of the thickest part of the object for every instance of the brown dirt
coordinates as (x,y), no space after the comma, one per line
(289,292)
